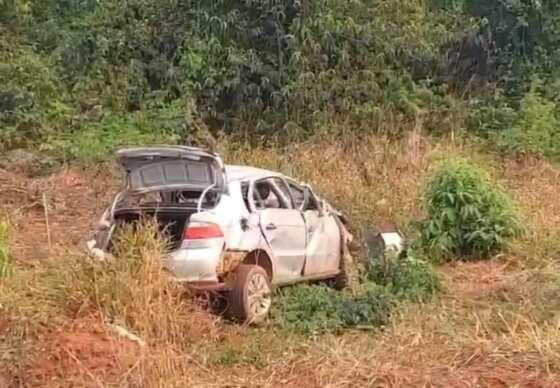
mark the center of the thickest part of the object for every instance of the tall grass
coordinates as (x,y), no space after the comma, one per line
(5,264)
(133,290)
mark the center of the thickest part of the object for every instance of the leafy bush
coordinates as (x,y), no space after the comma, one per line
(28,96)
(310,308)
(5,267)
(406,276)
(468,215)
(512,41)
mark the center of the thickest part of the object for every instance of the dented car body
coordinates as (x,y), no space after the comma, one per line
(232,229)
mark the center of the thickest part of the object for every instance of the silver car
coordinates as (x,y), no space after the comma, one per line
(235,230)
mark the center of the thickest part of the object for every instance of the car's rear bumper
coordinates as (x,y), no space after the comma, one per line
(195,264)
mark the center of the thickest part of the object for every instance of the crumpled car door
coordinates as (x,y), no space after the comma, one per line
(284,230)
(322,254)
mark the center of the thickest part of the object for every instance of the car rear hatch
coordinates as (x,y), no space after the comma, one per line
(165,170)
(171,167)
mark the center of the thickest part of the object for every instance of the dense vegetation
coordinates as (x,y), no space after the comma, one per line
(83,76)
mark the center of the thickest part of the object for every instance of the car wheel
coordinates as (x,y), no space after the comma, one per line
(250,299)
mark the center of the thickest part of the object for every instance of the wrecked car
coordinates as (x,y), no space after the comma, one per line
(234,230)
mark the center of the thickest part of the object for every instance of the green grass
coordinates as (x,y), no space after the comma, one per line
(97,142)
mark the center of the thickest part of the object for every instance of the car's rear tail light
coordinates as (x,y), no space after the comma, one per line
(202,230)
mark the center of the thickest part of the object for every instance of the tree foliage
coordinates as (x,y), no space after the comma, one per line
(274,68)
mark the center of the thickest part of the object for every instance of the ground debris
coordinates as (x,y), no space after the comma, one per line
(123,332)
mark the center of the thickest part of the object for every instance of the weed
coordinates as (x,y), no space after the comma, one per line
(229,355)
(468,215)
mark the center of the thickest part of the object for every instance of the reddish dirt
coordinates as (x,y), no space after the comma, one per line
(83,350)
(74,199)
(4,325)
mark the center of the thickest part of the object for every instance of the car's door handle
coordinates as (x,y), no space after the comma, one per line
(271,226)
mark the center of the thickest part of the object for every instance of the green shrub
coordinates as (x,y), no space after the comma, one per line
(537,128)
(310,308)
(5,267)
(491,114)
(406,276)
(468,215)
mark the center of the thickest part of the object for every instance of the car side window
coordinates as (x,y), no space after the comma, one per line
(245,194)
(283,190)
(268,194)
(298,194)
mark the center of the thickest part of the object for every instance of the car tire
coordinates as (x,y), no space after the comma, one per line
(250,298)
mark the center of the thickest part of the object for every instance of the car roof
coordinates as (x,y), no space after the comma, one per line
(240,173)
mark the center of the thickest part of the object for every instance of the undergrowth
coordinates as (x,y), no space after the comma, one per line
(537,128)
(408,277)
(388,280)
(312,308)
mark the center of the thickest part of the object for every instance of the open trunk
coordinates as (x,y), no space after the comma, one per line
(168,183)
(172,210)
(171,222)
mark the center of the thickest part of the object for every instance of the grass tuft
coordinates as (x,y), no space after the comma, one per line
(132,289)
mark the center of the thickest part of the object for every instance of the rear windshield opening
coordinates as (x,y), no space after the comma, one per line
(168,199)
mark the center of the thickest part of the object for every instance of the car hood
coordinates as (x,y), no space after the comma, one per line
(171,167)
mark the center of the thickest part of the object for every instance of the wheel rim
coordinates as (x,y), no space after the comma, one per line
(258,295)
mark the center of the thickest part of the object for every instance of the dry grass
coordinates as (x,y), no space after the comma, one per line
(497,323)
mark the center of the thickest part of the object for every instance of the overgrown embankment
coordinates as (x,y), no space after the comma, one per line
(487,314)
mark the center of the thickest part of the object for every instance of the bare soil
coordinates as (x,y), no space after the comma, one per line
(82,350)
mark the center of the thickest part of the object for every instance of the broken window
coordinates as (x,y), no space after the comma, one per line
(268,194)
